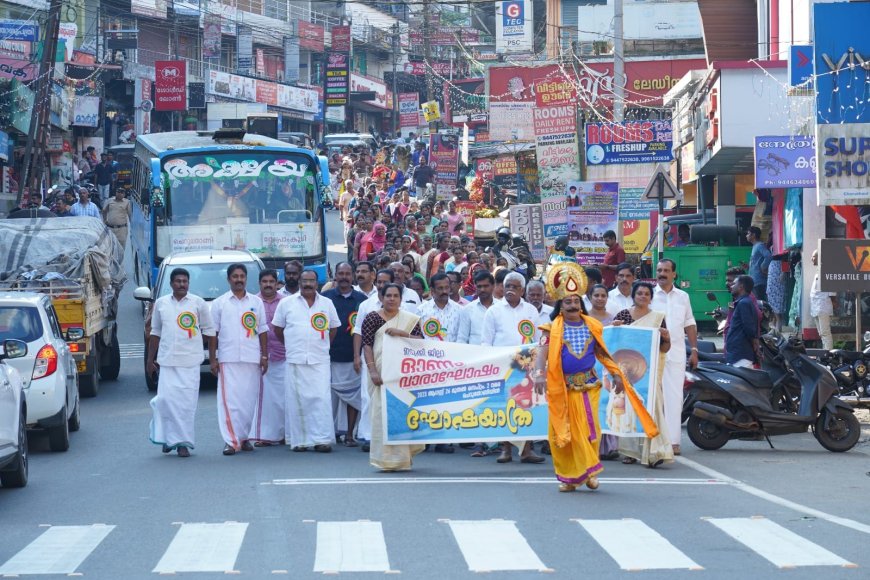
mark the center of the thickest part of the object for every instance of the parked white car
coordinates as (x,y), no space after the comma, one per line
(13,418)
(48,371)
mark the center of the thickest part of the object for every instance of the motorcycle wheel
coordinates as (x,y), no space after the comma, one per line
(844,433)
(705,434)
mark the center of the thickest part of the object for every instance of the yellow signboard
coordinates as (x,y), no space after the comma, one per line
(431,111)
(635,235)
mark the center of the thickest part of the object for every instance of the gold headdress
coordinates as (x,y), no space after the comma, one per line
(566,279)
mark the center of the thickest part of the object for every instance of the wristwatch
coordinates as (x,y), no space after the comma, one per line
(694,349)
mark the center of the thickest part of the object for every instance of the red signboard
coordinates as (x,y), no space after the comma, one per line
(341,38)
(170,87)
(555,92)
(21,70)
(311,36)
(267,92)
(646,81)
(421,68)
(409,110)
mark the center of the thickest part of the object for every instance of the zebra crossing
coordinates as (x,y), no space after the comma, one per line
(132,350)
(483,546)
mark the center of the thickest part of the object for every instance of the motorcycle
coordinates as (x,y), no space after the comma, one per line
(852,371)
(729,402)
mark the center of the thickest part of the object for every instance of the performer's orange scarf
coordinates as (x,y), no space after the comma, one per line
(557,391)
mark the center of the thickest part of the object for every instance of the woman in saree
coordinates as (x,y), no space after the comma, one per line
(392,321)
(656,451)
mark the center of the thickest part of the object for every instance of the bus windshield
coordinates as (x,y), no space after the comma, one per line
(266,202)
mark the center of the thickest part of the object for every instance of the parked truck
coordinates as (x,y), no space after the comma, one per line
(78,262)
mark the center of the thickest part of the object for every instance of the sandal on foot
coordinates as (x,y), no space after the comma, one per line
(567,487)
(629,460)
(592,483)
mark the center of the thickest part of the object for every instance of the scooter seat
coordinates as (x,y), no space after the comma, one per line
(847,355)
(758,379)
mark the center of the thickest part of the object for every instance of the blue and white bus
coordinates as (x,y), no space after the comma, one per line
(227,190)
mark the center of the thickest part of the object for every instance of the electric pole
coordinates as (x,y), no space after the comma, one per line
(40,128)
(618,64)
(427,55)
(395,82)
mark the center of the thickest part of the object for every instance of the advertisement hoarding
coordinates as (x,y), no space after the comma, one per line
(211,36)
(785,161)
(341,39)
(527,221)
(310,36)
(337,89)
(629,142)
(844,265)
(514,26)
(444,160)
(409,110)
(170,86)
(593,208)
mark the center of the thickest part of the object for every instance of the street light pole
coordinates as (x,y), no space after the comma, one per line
(395,82)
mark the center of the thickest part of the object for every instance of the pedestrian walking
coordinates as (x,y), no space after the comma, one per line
(822,305)
(117,214)
(681,325)
(239,358)
(178,323)
(345,379)
(103,174)
(269,414)
(84,207)
(307,323)
(570,346)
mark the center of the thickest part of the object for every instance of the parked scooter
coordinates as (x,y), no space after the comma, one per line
(729,402)
(852,371)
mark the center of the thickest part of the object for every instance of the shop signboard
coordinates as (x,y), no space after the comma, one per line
(150,8)
(267,92)
(465,102)
(337,88)
(844,265)
(800,66)
(298,98)
(17,69)
(513,26)
(291,59)
(842,124)
(310,36)
(86,111)
(629,142)
(196,96)
(785,161)
(593,208)
(423,68)
(634,218)
(444,160)
(19,30)
(511,121)
(383,97)
(527,221)
(211,36)
(244,48)
(341,38)
(409,109)
(170,86)
(504,172)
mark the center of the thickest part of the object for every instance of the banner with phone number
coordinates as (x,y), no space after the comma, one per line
(444,392)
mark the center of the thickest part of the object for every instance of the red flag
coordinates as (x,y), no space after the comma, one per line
(849,215)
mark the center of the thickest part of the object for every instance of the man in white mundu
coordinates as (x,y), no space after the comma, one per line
(268,425)
(307,322)
(178,323)
(239,358)
(511,322)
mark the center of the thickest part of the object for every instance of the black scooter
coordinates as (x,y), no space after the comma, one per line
(728,402)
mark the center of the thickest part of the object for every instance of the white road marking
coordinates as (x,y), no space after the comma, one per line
(132,350)
(58,550)
(351,547)
(767,496)
(494,545)
(203,548)
(486,480)
(781,547)
(636,546)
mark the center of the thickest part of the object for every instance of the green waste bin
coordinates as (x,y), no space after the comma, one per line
(701,269)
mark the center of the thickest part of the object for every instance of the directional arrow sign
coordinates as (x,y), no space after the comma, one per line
(661,184)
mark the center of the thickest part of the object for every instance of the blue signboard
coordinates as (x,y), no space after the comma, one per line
(4,147)
(629,142)
(513,17)
(785,161)
(841,44)
(19,30)
(800,66)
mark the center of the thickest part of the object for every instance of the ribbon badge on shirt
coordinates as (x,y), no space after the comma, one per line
(320,323)
(351,322)
(249,322)
(187,322)
(433,329)
(527,330)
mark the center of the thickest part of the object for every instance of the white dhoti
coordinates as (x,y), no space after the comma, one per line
(269,417)
(364,428)
(174,407)
(672,389)
(237,391)
(308,404)
(345,385)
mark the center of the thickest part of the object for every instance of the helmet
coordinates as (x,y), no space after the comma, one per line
(517,241)
(561,243)
(503,232)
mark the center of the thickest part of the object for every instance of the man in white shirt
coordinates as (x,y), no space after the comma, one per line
(822,306)
(439,316)
(364,429)
(471,316)
(268,426)
(307,322)
(535,297)
(239,358)
(292,272)
(681,325)
(620,297)
(365,279)
(512,323)
(178,323)
(410,299)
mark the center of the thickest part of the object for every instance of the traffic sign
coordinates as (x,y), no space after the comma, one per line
(661,185)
